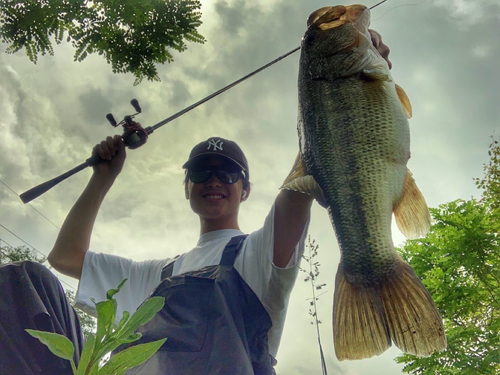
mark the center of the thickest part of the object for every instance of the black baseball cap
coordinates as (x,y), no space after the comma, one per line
(219,146)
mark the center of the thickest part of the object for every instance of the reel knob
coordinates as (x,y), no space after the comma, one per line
(111,120)
(136,105)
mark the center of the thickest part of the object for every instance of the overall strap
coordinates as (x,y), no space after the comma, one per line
(168,269)
(231,250)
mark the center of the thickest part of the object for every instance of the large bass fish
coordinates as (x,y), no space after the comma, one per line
(354,145)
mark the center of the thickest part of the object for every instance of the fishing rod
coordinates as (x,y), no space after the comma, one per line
(135,135)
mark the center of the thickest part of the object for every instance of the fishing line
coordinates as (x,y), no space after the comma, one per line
(376,5)
(135,135)
(398,6)
(231,85)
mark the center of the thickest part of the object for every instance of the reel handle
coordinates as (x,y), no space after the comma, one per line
(134,136)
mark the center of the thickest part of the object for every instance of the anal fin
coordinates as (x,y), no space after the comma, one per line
(411,211)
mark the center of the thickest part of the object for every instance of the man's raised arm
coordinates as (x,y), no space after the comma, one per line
(292,211)
(74,238)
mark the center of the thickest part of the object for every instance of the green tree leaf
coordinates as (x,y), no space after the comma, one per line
(58,344)
(130,358)
(459,263)
(132,36)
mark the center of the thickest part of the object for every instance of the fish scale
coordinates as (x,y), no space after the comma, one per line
(355,150)
(354,146)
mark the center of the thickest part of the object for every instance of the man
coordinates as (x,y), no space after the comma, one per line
(217,182)
(226,299)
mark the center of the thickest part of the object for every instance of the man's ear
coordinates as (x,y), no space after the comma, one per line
(245,194)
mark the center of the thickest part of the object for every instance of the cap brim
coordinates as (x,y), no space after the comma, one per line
(190,162)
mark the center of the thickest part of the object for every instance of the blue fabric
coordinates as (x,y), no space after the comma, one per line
(213,321)
(32,297)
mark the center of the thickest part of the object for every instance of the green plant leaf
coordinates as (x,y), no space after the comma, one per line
(60,345)
(88,349)
(112,292)
(133,337)
(123,320)
(113,343)
(143,315)
(130,358)
(106,312)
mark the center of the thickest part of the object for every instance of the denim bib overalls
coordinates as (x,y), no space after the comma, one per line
(213,321)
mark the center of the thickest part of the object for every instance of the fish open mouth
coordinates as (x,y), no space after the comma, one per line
(330,17)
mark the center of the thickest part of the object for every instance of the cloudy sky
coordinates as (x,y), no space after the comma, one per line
(445,54)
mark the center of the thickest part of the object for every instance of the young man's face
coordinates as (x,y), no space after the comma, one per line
(214,199)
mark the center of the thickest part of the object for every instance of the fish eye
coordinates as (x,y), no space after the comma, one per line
(309,38)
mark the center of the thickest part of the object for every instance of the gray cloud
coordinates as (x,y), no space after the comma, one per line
(444,55)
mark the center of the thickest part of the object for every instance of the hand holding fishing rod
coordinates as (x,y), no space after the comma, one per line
(134,136)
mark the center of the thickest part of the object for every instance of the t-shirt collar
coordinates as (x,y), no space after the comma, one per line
(218,234)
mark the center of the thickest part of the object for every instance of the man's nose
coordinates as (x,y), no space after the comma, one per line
(213,181)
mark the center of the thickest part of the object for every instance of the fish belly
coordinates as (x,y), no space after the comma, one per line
(355,141)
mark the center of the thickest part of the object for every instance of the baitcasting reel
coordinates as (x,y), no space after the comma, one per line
(134,135)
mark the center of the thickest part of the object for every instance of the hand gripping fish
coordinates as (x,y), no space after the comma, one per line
(354,145)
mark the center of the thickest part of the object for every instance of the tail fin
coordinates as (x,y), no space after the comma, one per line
(359,324)
(365,320)
(414,322)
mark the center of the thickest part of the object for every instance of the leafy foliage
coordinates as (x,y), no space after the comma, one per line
(131,35)
(10,254)
(490,183)
(108,338)
(459,263)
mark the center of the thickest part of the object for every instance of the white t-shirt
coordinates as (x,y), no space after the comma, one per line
(271,284)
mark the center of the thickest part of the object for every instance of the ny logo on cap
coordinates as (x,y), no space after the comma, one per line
(216,144)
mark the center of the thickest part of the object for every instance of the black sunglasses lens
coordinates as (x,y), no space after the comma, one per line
(198,177)
(227,177)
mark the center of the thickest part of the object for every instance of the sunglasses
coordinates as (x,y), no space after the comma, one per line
(225,176)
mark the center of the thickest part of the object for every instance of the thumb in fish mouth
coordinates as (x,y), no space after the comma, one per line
(326,17)
(325,14)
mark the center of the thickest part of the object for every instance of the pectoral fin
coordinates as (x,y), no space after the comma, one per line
(404,100)
(411,211)
(299,180)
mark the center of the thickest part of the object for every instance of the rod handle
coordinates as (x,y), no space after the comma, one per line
(38,190)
